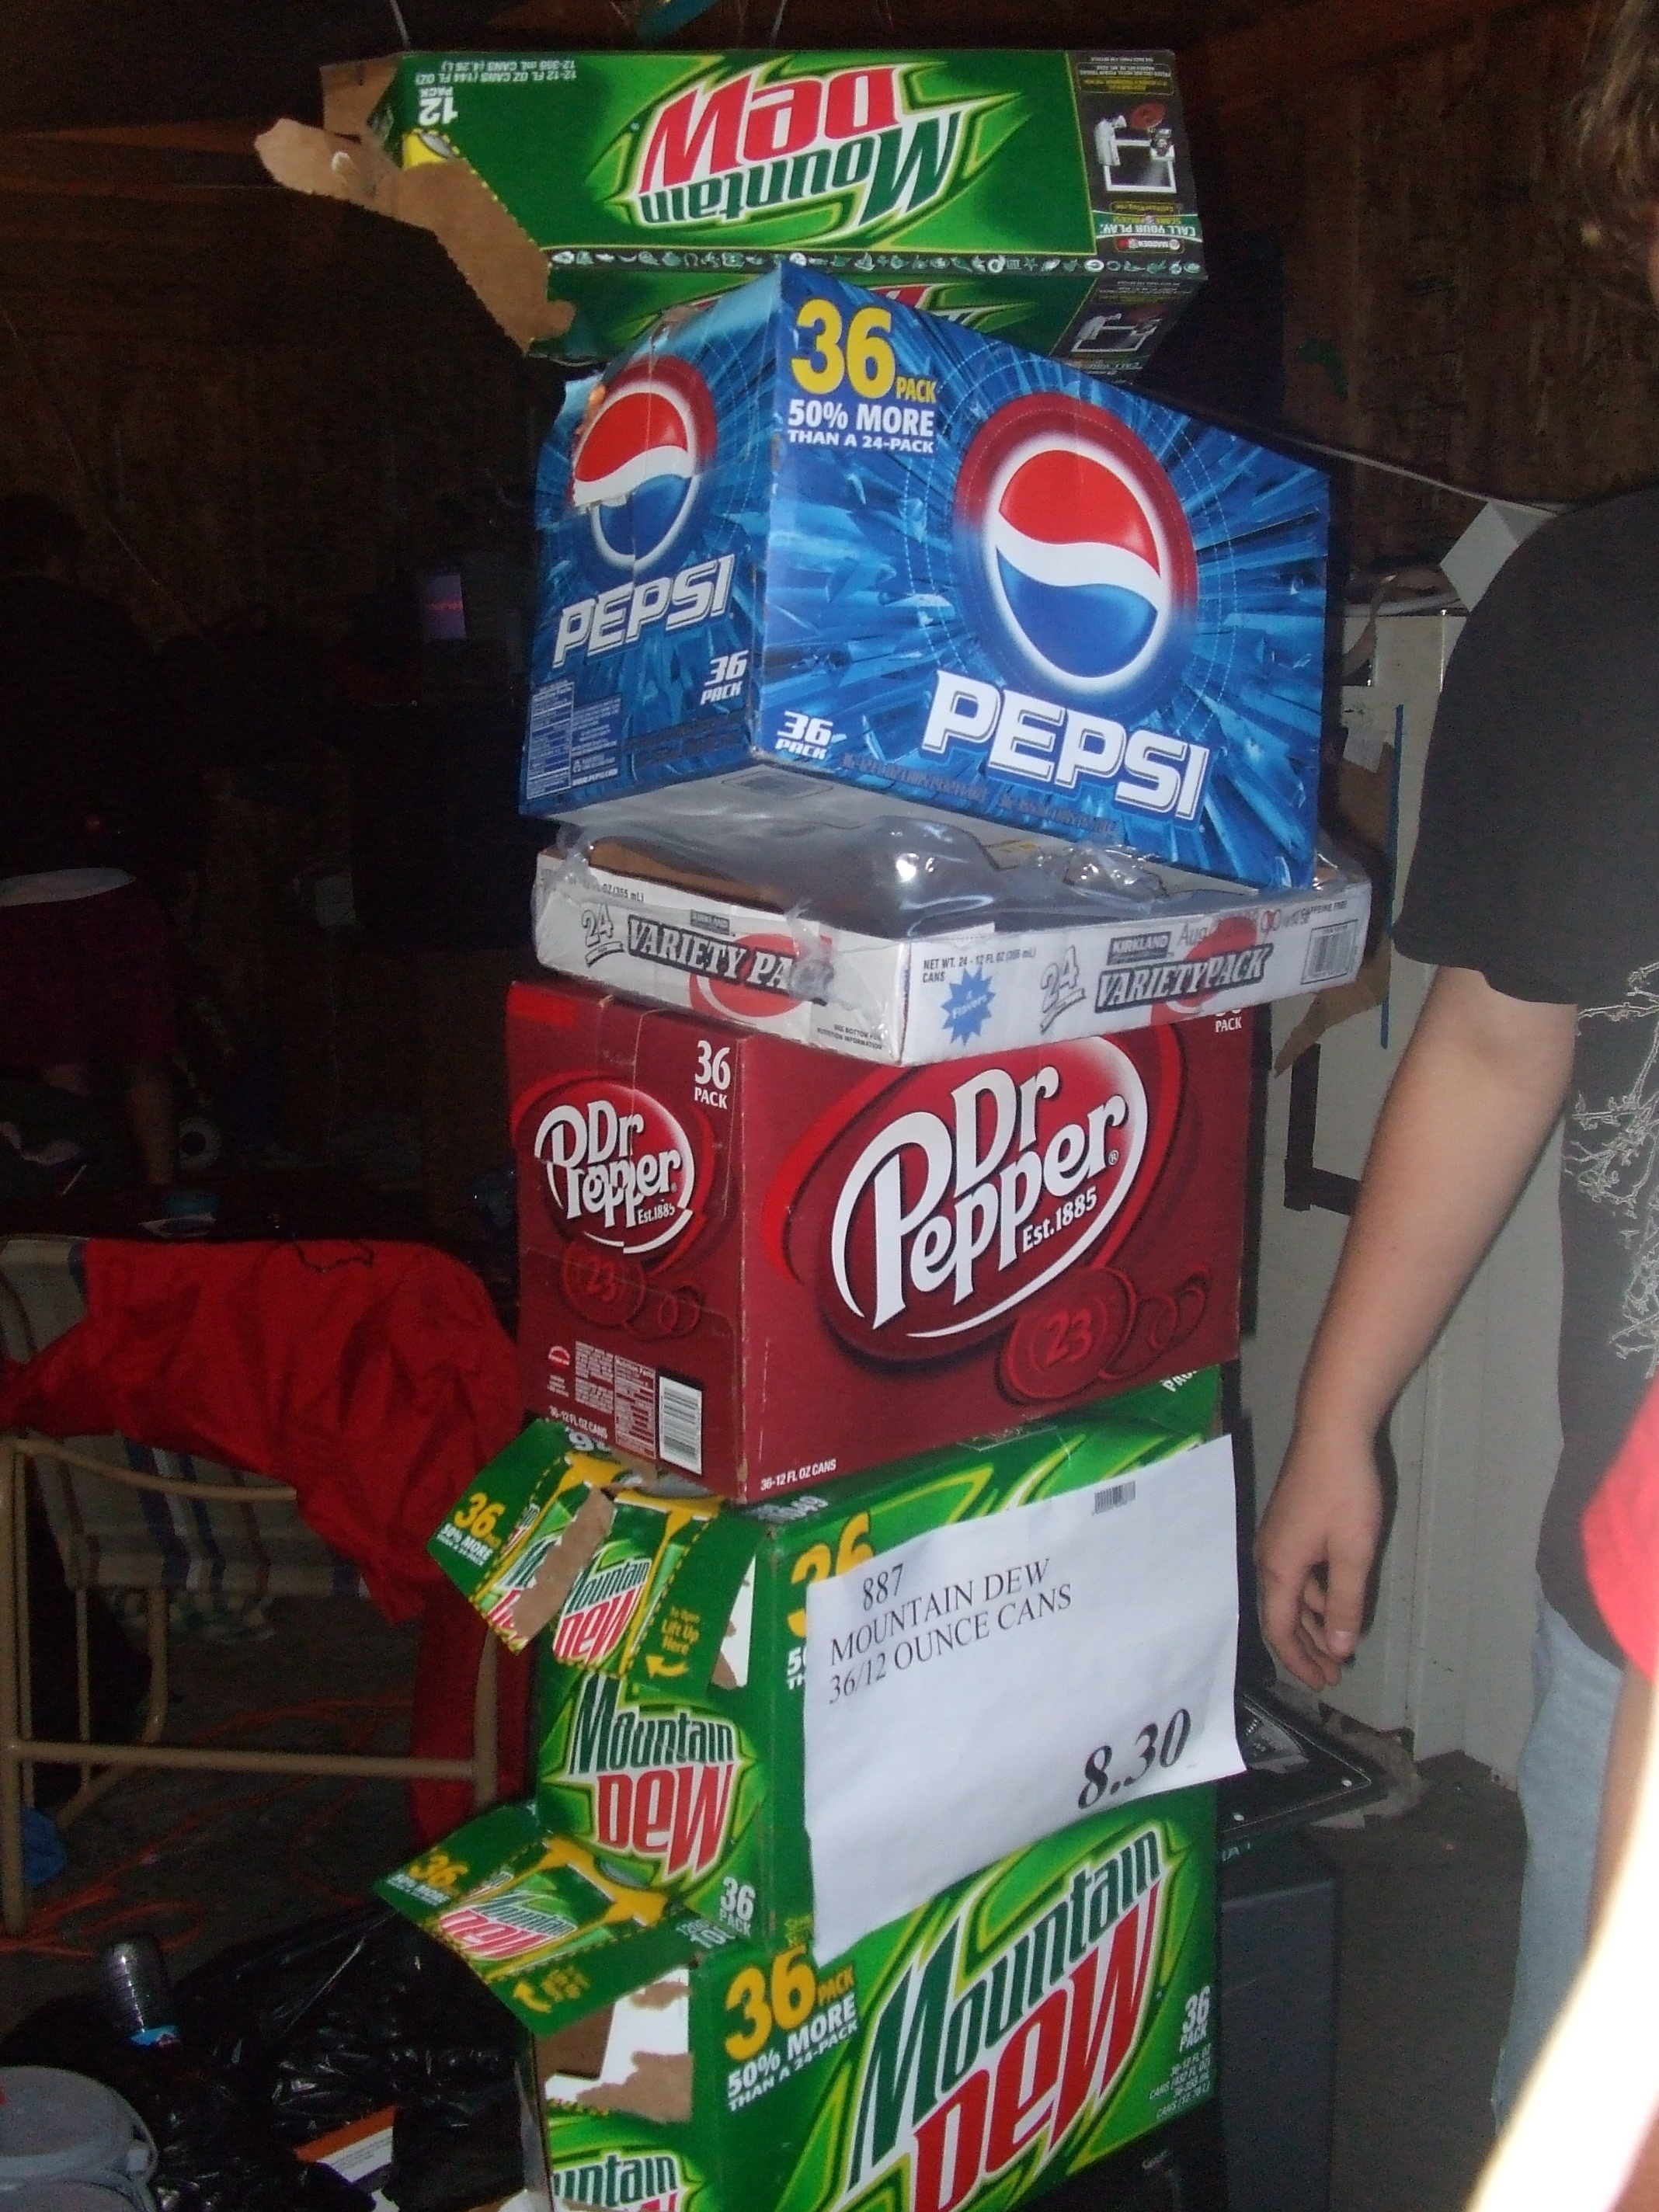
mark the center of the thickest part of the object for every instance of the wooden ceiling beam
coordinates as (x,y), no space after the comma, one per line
(203,137)
(1238,70)
(172,162)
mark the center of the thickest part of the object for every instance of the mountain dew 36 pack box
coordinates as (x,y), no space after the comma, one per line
(1019,2026)
(1048,197)
(817,530)
(792,1722)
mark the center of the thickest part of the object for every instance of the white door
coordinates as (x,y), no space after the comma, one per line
(1475,1435)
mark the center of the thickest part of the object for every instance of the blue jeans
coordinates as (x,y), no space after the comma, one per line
(1562,1763)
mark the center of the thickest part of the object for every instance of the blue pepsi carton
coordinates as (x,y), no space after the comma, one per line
(811,527)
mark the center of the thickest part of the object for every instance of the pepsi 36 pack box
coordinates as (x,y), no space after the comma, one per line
(733,1246)
(813,529)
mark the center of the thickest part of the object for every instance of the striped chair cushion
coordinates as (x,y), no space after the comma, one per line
(110,1537)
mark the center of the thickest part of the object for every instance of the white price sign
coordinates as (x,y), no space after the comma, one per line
(981,1687)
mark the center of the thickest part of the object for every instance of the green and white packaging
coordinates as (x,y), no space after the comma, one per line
(671,1697)
(1021,2025)
(1046,197)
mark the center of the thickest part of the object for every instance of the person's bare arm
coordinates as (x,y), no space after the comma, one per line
(1474,1098)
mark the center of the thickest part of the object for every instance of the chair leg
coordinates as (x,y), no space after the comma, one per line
(25,1623)
(13,1630)
(97,1784)
(485,1767)
(83,1678)
(156,1704)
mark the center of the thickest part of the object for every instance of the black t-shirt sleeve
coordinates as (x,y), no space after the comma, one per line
(1482,836)
(1541,797)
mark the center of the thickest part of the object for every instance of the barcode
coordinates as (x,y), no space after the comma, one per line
(679,1423)
(1114,1493)
(1331,951)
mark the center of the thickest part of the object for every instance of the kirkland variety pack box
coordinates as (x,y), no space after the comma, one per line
(1018,2028)
(1046,197)
(733,1246)
(631,908)
(816,531)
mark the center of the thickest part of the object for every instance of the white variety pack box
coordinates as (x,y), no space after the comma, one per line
(636,907)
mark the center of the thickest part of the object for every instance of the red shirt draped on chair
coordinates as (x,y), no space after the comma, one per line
(374,1377)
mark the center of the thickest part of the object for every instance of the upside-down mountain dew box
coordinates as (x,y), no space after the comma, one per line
(1045,196)
(808,529)
(1012,1606)
(1018,2028)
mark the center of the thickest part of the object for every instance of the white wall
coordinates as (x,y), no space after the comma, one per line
(1475,1435)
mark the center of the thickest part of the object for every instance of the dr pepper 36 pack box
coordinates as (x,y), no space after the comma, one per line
(819,531)
(733,1246)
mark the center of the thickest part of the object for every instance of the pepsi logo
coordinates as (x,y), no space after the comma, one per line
(1077,551)
(639,459)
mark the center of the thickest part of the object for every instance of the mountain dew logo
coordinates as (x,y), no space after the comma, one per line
(650,2183)
(663,1779)
(737,152)
(973,2065)
(598,1609)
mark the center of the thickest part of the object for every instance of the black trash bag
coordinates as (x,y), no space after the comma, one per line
(217,2152)
(324,2023)
(290,2036)
(450,2154)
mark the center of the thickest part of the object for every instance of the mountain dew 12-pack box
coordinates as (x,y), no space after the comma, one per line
(1047,197)
(813,531)
(1019,2026)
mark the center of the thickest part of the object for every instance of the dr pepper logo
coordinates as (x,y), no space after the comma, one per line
(939,1210)
(622,1171)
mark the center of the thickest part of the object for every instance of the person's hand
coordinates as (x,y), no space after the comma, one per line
(1314,1552)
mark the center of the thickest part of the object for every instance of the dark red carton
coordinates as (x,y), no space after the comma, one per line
(765,1264)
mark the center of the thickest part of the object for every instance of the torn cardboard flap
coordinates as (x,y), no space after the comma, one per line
(544,1597)
(635,2057)
(691,1627)
(551,1927)
(507,1530)
(641,1573)
(504,266)
(353,90)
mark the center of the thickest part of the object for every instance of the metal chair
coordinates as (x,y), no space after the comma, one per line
(127,1517)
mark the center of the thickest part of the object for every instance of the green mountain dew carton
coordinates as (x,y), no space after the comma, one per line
(551,1929)
(550,1527)
(1021,2025)
(674,1738)
(1044,197)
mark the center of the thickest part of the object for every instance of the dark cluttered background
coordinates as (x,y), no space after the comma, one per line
(292,435)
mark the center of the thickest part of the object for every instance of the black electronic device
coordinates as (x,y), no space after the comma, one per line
(1278,2039)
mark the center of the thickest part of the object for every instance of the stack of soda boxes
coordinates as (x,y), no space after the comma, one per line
(874,1530)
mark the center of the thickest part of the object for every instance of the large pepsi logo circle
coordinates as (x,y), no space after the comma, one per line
(639,459)
(1076,552)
